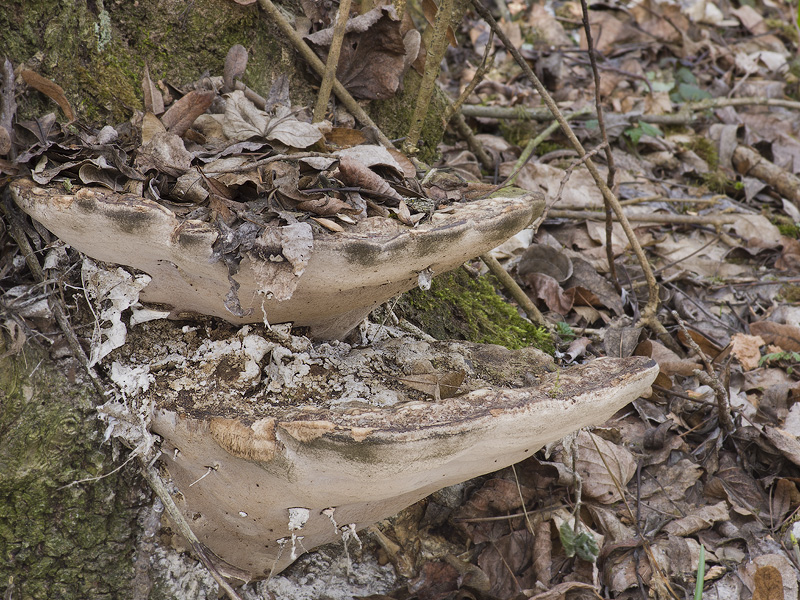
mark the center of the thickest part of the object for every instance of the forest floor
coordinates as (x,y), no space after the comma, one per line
(701,134)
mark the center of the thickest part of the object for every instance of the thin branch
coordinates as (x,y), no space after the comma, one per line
(513,288)
(649,312)
(315,63)
(333,60)
(436,50)
(715,220)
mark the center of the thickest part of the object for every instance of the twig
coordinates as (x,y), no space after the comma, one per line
(16,231)
(649,313)
(436,50)
(476,79)
(315,63)
(464,130)
(535,142)
(715,220)
(513,288)
(709,378)
(612,171)
(8,103)
(683,117)
(333,60)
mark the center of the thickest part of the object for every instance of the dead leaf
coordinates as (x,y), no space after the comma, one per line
(547,289)
(786,443)
(603,466)
(243,121)
(326,206)
(344,137)
(429,10)
(539,258)
(768,584)
(778,334)
(328,224)
(438,385)
(668,362)
(153,100)
(183,113)
(50,89)
(700,519)
(5,141)
(235,65)
(372,59)
(746,349)
(354,173)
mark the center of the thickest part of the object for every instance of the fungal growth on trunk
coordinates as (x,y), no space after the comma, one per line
(275,443)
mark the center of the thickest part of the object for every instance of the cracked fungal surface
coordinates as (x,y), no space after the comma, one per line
(211,369)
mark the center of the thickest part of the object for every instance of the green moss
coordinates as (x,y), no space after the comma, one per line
(59,540)
(460,307)
(705,149)
(394,115)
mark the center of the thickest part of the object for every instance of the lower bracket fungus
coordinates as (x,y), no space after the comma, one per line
(324,439)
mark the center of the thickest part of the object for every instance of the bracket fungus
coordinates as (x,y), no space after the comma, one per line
(276,444)
(345,436)
(326,281)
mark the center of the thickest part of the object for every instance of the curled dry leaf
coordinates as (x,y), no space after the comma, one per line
(5,141)
(354,173)
(700,519)
(779,334)
(746,349)
(669,362)
(326,206)
(183,113)
(437,385)
(50,89)
(153,100)
(606,468)
(235,65)
(372,61)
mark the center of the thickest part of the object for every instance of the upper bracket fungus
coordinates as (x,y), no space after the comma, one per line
(328,282)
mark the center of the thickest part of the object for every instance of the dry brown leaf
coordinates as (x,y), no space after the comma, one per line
(373,55)
(700,519)
(344,137)
(438,385)
(746,349)
(326,206)
(429,9)
(5,141)
(785,442)
(50,89)
(328,224)
(785,497)
(545,288)
(779,334)
(235,65)
(603,465)
(153,100)
(354,173)
(183,113)
(669,362)
(768,584)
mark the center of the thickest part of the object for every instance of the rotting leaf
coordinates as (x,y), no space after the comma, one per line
(235,65)
(354,173)
(50,89)
(153,100)
(183,113)
(372,61)
(779,334)
(439,385)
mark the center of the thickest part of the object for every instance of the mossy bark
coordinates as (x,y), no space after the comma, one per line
(461,307)
(97,51)
(60,536)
